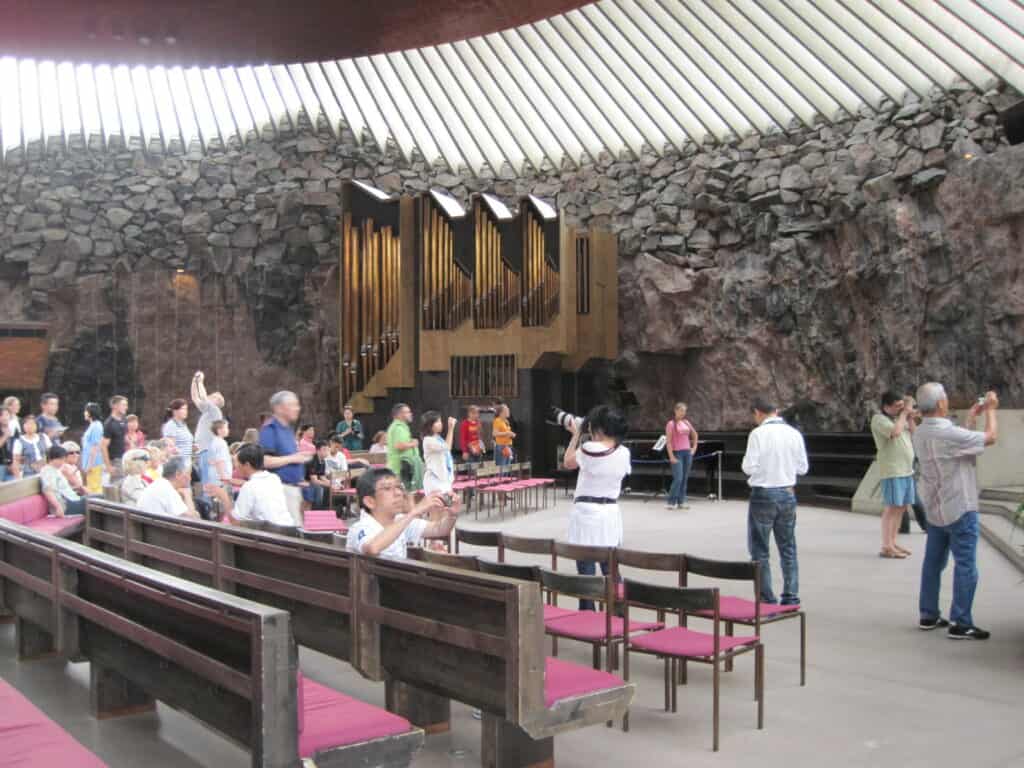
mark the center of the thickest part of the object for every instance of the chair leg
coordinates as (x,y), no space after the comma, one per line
(714,706)
(668,685)
(759,661)
(803,649)
(554,645)
(674,689)
(728,633)
(597,656)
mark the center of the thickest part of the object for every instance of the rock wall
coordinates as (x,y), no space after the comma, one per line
(819,265)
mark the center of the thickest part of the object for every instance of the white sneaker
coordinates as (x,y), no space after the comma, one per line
(684,506)
(670,506)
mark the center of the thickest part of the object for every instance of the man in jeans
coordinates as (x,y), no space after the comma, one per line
(775,456)
(948,485)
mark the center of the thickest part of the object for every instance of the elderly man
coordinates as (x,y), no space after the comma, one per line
(948,484)
(282,457)
(891,430)
(775,456)
(389,524)
(210,410)
(56,489)
(262,496)
(171,495)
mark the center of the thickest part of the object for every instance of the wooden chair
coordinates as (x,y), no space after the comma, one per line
(480,539)
(603,556)
(530,546)
(681,643)
(599,629)
(747,613)
(521,572)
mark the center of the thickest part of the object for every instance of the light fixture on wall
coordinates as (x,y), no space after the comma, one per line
(180,271)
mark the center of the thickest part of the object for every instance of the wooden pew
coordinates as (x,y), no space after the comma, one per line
(229,662)
(487,653)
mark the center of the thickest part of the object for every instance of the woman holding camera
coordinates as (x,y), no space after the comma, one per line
(603,462)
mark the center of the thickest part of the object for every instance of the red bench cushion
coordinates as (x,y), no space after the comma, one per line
(332,719)
(738,609)
(552,612)
(564,680)
(54,526)
(25,510)
(680,641)
(29,738)
(322,520)
(590,625)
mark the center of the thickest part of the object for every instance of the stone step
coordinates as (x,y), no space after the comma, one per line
(1005,509)
(1008,538)
(1014,493)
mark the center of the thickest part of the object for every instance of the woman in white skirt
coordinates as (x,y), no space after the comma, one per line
(603,462)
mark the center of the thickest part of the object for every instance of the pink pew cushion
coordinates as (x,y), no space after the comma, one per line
(54,525)
(554,612)
(25,510)
(333,719)
(680,641)
(322,520)
(30,739)
(738,609)
(564,680)
(590,625)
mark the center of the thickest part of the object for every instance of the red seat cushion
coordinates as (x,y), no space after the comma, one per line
(25,510)
(322,520)
(30,739)
(54,526)
(590,625)
(564,680)
(554,612)
(332,719)
(680,641)
(738,609)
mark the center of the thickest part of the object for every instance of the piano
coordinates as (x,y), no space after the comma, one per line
(652,472)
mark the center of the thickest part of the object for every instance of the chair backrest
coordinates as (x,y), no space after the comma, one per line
(479,539)
(464,562)
(525,468)
(604,555)
(522,572)
(530,546)
(112,492)
(678,599)
(575,585)
(650,561)
(731,570)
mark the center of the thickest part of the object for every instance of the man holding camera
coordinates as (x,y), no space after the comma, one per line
(947,455)
(892,430)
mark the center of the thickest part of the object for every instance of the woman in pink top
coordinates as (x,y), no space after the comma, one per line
(681,444)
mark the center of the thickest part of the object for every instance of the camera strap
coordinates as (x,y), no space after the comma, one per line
(600,454)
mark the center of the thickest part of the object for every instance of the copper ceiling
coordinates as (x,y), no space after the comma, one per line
(238,32)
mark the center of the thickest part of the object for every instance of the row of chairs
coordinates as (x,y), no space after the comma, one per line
(614,628)
(489,487)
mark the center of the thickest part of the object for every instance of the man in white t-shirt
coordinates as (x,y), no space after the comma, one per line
(170,495)
(262,495)
(387,526)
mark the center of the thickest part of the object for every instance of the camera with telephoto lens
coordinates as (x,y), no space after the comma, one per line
(565,420)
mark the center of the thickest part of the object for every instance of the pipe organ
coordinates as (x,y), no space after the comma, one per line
(479,295)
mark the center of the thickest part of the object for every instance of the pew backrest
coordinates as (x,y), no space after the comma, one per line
(225,660)
(312,581)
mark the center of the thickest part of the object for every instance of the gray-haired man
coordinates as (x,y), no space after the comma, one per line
(277,438)
(948,485)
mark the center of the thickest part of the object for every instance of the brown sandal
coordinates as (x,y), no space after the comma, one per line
(891,554)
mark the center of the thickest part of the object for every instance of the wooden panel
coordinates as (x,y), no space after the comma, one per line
(484,376)
(541,287)
(445,287)
(24,362)
(496,286)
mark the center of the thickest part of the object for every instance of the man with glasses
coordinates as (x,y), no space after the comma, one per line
(389,524)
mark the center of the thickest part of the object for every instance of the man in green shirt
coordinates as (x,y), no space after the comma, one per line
(892,429)
(403,454)
(350,430)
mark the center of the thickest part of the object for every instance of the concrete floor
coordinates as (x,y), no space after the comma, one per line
(879,692)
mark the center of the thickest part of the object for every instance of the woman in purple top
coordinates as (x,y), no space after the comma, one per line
(681,444)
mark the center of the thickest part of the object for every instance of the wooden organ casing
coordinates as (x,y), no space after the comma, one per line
(446,284)
(496,283)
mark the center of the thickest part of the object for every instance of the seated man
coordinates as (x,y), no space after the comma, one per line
(70,468)
(134,463)
(171,494)
(262,495)
(318,481)
(56,488)
(389,523)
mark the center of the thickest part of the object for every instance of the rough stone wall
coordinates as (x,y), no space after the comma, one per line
(818,266)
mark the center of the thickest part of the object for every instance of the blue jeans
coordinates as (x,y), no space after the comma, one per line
(680,476)
(203,467)
(5,473)
(773,510)
(589,568)
(960,538)
(499,459)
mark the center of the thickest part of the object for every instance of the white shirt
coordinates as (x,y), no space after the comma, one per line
(439,474)
(598,525)
(162,498)
(775,455)
(40,441)
(336,462)
(367,528)
(262,498)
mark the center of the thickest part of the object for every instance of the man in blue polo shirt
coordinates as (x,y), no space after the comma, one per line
(282,457)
